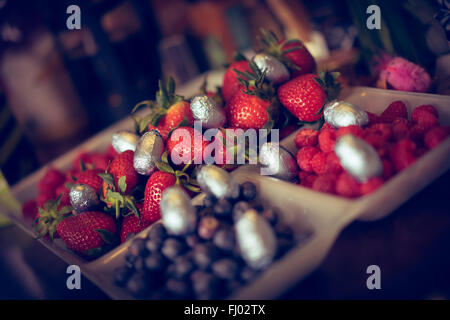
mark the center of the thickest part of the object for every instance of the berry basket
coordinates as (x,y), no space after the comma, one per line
(323,216)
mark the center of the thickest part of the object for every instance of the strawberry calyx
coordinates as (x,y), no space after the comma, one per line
(49,217)
(182,177)
(328,81)
(117,199)
(109,238)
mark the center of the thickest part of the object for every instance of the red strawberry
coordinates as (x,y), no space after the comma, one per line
(122,165)
(301,58)
(305,95)
(48,217)
(92,179)
(63,191)
(30,209)
(182,143)
(44,197)
(174,117)
(88,233)
(51,180)
(231,83)
(156,184)
(247,111)
(131,225)
(396,109)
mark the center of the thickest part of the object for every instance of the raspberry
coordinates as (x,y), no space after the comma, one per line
(417,133)
(420,152)
(302,175)
(304,156)
(384,150)
(400,129)
(427,108)
(325,183)
(402,154)
(309,181)
(347,186)
(371,185)
(375,140)
(287,130)
(396,109)
(306,138)
(326,125)
(51,180)
(373,118)
(30,209)
(435,136)
(353,129)
(327,139)
(333,163)
(383,130)
(423,118)
(319,163)
(387,169)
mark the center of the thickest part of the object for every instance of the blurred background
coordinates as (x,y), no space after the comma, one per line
(60,86)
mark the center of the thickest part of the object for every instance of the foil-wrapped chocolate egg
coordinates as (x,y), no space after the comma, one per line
(148,150)
(206,110)
(177,212)
(342,114)
(83,197)
(217,181)
(124,140)
(358,157)
(275,70)
(256,239)
(277,161)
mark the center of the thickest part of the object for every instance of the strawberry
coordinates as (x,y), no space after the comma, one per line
(92,179)
(247,111)
(231,83)
(131,225)
(89,233)
(156,184)
(63,191)
(122,166)
(291,52)
(182,143)
(44,197)
(305,95)
(30,209)
(48,217)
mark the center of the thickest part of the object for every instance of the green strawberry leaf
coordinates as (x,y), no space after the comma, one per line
(107,236)
(65,210)
(143,124)
(107,178)
(122,182)
(156,119)
(237,56)
(82,166)
(94,252)
(170,84)
(129,203)
(164,167)
(148,103)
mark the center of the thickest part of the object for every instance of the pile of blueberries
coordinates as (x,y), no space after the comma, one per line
(205,264)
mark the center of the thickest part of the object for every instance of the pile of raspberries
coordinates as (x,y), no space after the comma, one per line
(398,140)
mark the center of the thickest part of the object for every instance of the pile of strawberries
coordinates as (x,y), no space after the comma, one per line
(398,141)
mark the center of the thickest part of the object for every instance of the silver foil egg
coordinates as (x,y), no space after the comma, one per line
(217,181)
(275,70)
(177,212)
(342,114)
(277,161)
(148,150)
(256,239)
(358,157)
(83,197)
(206,110)
(124,140)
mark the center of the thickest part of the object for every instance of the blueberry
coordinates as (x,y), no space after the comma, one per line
(192,240)
(224,239)
(223,208)
(130,260)
(225,268)
(234,285)
(139,264)
(121,275)
(207,227)
(153,245)
(206,212)
(209,201)
(172,248)
(183,266)
(248,274)
(239,209)
(271,216)
(155,262)
(248,191)
(205,254)
(137,247)
(137,285)
(158,231)
(205,285)
(179,289)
